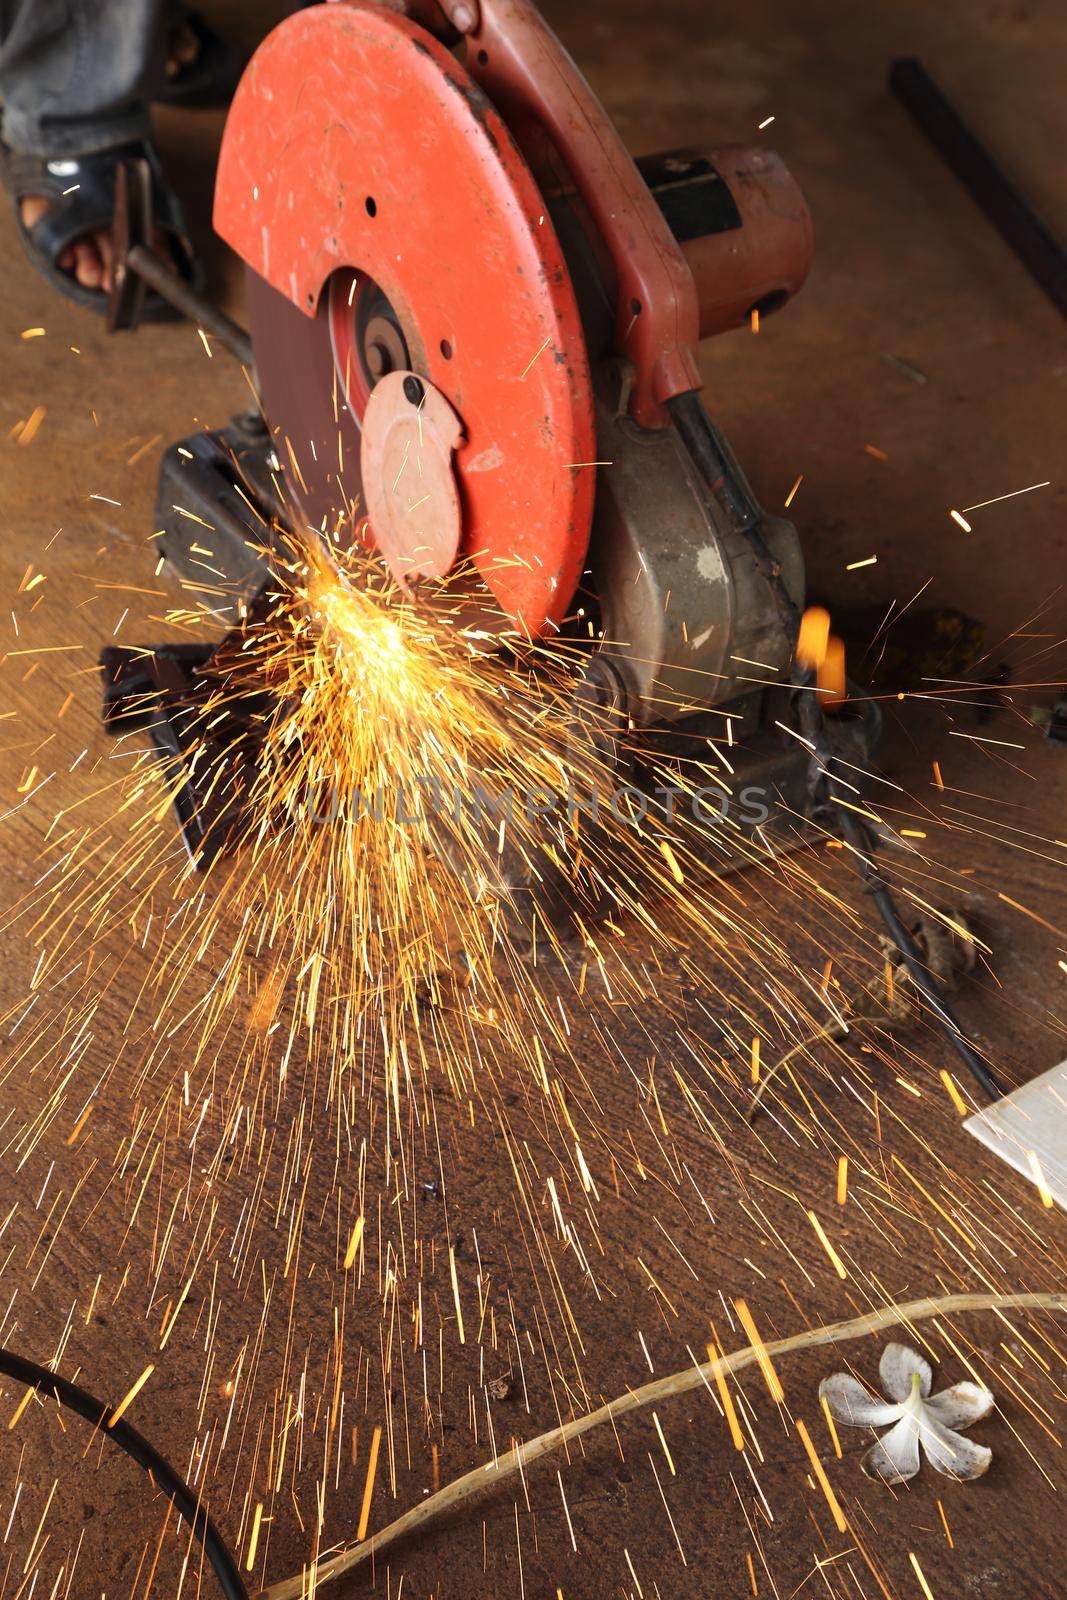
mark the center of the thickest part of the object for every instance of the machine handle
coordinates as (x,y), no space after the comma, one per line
(528,75)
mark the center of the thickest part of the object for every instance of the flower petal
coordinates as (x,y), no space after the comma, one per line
(898,1365)
(895,1457)
(960,1406)
(950,1453)
(849,1402)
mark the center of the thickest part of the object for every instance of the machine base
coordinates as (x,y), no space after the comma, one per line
(204,733)
(220,509)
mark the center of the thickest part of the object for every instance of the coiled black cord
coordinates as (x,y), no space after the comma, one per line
(163,1475)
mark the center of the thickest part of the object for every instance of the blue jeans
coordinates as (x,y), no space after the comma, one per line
(77,75)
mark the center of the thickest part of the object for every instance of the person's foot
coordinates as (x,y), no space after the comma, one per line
(184,50)
(88,260)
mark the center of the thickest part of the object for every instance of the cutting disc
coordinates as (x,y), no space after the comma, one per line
(390,225)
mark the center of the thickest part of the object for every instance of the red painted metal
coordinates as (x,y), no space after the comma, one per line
(528,74)
(357,141)
(762,264)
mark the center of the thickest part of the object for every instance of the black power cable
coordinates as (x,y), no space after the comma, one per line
(188,1505)
(858,836)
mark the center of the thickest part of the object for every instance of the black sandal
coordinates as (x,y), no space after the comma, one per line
(81,195)
(210,79)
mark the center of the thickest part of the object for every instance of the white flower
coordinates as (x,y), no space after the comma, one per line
(917,1417)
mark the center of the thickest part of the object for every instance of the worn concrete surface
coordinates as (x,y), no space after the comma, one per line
(906,267)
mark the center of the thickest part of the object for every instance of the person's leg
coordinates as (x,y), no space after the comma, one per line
(75,78)
(76,75)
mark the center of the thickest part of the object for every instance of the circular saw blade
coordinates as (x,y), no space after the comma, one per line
(358,144)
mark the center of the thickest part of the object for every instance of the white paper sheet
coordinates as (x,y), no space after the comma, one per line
(1030,1126)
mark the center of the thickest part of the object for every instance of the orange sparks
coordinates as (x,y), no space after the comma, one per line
(1047,1199)
(835,1260)
(823,1480)
(354,1243)
(79,1125)
(368,1487)
(131,1395)
(666,1447)
(672,861)
(19,1409)
(770,1377)
(1016,906)
(32,425)
(455,1292)
(725,1397)
(253,1541)
(924,1586)
(830,1426)
(831,678)
(953,1092)
(532,359)
(813,637)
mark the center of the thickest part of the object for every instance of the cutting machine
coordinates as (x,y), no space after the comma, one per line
(474,321)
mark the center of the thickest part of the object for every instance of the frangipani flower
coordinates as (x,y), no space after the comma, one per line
(914,1416)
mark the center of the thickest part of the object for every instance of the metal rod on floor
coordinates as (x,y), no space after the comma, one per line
(1003,202)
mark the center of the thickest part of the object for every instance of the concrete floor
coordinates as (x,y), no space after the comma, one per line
(906,267)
